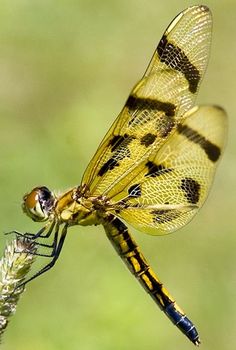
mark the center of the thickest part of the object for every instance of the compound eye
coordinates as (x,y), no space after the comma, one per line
(38,203)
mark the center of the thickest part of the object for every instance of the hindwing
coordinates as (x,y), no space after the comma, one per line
(170,186)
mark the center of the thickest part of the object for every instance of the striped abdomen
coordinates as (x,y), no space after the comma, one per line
(130,253)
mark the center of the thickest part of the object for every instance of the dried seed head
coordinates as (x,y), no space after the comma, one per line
(17,259)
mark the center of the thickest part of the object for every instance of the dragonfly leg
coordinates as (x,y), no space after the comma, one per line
(53,245)
(39,244)
(17,233)
(34,236)
(43,229)
(55,255)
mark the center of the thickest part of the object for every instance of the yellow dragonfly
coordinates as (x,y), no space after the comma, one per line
(155,165)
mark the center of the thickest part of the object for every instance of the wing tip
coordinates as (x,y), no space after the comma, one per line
(220,109)
(202,8)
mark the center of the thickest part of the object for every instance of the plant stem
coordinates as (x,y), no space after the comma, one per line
(17,259)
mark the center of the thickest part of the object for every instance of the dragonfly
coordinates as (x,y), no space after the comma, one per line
(155,165)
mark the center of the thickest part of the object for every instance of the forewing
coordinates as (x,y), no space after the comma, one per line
(172,185)
(156,104)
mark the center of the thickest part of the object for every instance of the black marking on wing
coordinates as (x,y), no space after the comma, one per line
(164,215)
(109,165)
(175,58)
(120,151)
(114,161)
(116,141)
(155,170)
(191,189)
(212,151)
(139,104)
(119,140)
(135,191)
(148,139)
(164,126)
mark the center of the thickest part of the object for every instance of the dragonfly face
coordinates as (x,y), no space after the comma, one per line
(39,203)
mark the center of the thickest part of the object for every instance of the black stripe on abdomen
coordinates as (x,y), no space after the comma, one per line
(130,253)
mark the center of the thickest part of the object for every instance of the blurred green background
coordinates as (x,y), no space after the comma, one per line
(66,68)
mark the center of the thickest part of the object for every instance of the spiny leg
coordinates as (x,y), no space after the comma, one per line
(31,237)
(34,236)
(130,253)
(55,256)
(53,245)
(48,234)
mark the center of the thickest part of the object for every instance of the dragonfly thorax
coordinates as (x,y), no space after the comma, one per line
(78,207)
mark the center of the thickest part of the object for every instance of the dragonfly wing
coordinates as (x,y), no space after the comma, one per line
(156,104)
(174,183)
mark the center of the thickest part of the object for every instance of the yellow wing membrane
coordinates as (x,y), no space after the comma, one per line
(173,184)
(156,104)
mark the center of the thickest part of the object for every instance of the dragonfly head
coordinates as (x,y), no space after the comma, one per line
(38,204)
